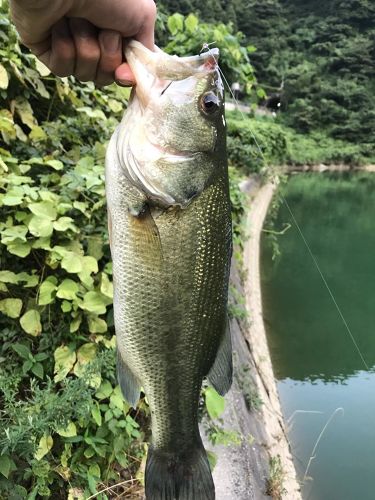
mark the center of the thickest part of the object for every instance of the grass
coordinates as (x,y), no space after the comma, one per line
(275,482)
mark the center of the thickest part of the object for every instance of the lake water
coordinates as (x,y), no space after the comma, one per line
(321,377)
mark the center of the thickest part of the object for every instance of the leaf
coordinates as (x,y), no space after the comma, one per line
(71,262)
(26,366)
(116,400)
(19,249)
(45,445)
(64,362)
(94,302)
(46,292)
(65,223)
(191,23)
(30,322)
(14,233)
(37,134)
(96,414)
(212,459)
(4,79)
(24,111)
(67,290)
(106,286)
(69,431)
(8,277)
(86,353)
(104,391)
(14,196)
(97,325)
(22,350)
(29,280)
(55,164)
(41,68)
(11,307)
(38,370)
(6,465)
(215,403)
(175,23)
(115,106)
(40,226)
(44,209)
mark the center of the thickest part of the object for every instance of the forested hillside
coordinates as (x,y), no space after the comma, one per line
(323,52)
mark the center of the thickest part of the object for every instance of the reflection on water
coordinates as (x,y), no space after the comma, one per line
(314,359)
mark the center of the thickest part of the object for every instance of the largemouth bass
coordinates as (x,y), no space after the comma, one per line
(170,235)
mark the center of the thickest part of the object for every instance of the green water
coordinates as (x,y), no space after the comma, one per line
(315,362)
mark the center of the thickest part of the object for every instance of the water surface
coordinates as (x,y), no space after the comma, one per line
(315,362)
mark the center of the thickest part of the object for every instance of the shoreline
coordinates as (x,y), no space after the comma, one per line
(275,429)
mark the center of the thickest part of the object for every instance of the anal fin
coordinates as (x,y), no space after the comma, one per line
(130,387)
(221,372)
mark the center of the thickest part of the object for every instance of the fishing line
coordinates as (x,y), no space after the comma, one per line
(314,259)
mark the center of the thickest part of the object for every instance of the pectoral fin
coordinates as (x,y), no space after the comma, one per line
(129,384)
(220,374)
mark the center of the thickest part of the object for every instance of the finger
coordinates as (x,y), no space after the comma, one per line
(60,60)
(110,43)
(145,34)
(86,43)
(124,75)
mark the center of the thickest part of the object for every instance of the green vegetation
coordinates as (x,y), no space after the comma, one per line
(275,488)
(323,53)
(65,430)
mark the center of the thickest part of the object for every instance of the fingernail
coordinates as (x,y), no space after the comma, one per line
(125,83)
(111,42)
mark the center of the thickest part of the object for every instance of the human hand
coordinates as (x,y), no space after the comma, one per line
(84,37)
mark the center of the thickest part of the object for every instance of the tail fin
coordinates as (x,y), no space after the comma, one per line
(178,476)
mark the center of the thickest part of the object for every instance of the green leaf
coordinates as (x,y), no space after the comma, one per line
(26,366)
(85,354)
(30,322)
(55,164)
(212,459)
(29,280)
(94,302)
(67,290)
(11,307)
(38,370)
(71,262)
(65,223)
(25,112)
(66,306)
(116,400)
(191,23)
(46,291)
(8,277)
(37,134)
(106,286)
(104,391)
(14,233)
(97,325)
(4,79)
(22,350)
(175,23)
(96,415)
(44,209)
(14,196)
(215,403)
(64,362)
(6,465)
(19,249)
(69,431)
(40,226)
(45,445)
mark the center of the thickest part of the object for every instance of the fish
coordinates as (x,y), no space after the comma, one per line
(169,221)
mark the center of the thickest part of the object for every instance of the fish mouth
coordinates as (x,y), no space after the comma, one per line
(154,71)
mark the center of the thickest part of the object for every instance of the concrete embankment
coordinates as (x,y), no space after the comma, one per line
(242,471)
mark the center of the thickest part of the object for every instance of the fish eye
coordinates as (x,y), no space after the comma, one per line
(210,103)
